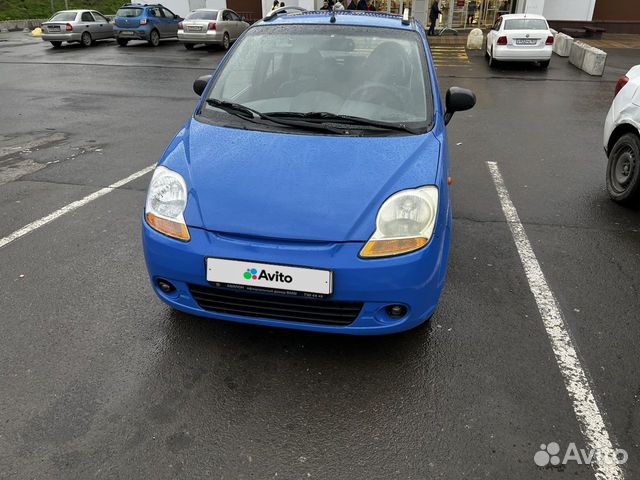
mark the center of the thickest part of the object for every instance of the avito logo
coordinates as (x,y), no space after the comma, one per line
(276,276)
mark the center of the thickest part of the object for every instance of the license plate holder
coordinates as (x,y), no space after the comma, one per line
(269,278)
(526,41)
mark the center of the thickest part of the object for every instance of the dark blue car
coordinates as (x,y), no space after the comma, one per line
(310,188)
(135,21)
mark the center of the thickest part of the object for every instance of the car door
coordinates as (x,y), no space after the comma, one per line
(104,27)
(171,22)
(230,25)
(493,35)
(88,24)
(157,20)
(237,24)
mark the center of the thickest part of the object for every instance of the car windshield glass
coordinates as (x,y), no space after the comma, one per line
(129,12)
(64,17)
(525,24)
(203,15)
(378,74)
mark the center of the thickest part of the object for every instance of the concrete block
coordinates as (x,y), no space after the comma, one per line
(475,39)
(594,61)
(576,55)
(562,44)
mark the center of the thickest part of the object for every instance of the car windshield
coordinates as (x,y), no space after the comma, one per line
(64,17)
(378,74)
(525,24)
(129,12)
(203,15)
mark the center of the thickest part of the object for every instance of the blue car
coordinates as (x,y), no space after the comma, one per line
(310,188)
(136,21)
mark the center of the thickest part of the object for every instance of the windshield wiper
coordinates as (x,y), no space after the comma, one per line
(345,119)
(248,113)
(234,108)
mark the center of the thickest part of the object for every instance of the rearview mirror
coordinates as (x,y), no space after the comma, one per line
(457,100)
(200,84)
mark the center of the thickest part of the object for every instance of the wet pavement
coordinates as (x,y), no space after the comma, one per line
(99,379)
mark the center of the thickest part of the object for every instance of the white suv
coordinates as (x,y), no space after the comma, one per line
(622,140)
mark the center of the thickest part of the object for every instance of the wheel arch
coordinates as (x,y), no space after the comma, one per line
(618,132)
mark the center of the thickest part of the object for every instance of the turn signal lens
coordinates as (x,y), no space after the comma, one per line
(69,27)
(388,248)
(549,40)
(144,21)
(502,41)
(169,227)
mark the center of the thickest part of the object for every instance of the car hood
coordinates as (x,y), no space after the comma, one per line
(299,187)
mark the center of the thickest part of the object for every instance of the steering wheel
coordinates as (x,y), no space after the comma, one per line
(380,94)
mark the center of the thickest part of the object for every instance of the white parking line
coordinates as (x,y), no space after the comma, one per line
(71,207)
(575,380)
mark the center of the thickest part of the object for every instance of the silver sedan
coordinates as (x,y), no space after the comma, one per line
(80,26)
(211,27)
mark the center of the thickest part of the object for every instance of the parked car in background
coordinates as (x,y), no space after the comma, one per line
(287,202)
(211,27)
(150,22)
(520,38)
(622,140)
(79,26)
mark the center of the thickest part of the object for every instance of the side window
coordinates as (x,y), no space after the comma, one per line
(155,12)
(168,13)
(87,17)
(235,17)
(99,17)
(226,16)
(496,27)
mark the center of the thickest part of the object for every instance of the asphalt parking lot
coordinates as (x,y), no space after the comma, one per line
(99,379)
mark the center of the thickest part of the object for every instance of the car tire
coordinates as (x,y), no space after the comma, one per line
(56,44)
(545,64)
(122,42)
(486,53)
(623,170)
(154,38)
(189,46)
(85,39)
(493,63)
(226,42)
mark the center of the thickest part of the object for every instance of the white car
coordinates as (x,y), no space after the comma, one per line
(622,140)
(211,27)
(520,38)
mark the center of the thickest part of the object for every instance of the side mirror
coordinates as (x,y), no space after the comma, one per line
(457,100)
(200,84)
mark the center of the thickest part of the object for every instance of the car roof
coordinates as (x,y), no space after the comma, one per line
(343,17)
(511,16)
(141,5)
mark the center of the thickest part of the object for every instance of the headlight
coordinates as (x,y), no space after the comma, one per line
(166,201)
(405,223)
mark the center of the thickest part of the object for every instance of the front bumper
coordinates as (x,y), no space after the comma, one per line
(509,53)
(414,280)
(62,37)
(131,33)
(208,37)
